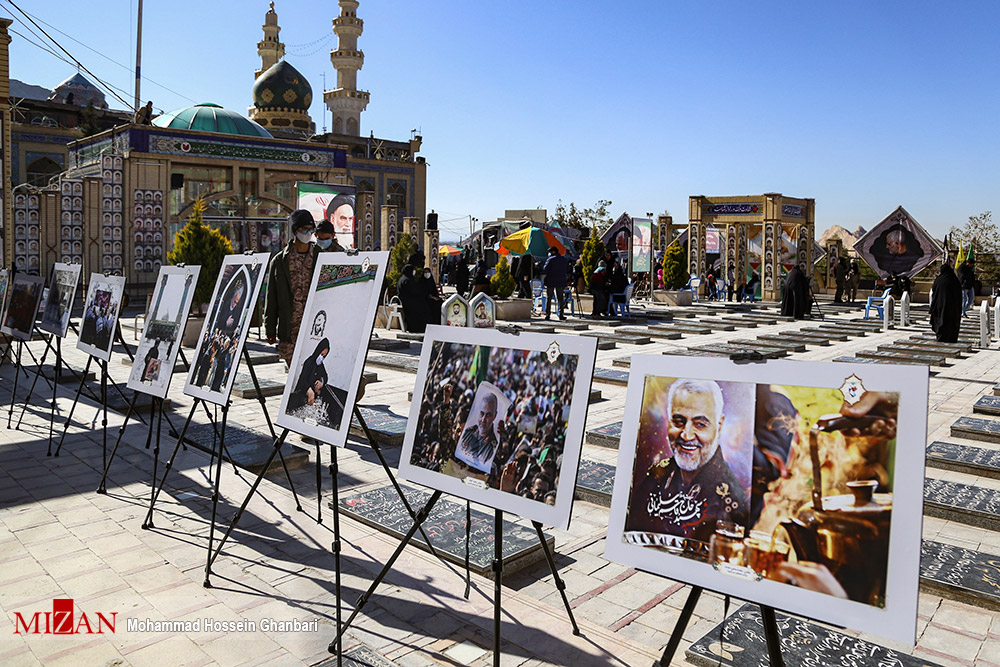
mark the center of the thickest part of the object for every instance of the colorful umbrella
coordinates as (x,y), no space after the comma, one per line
(530,241)
(449,250)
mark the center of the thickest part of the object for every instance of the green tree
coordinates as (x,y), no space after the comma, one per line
(88,120)
(198,245)
(405,246)
(982,234)
(675,274)
(593,250)
(583,219)
(502,283)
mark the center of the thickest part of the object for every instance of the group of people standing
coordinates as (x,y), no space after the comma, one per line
(847,276)
(608,283)
(419,294)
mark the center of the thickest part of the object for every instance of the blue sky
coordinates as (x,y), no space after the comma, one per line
(861,105)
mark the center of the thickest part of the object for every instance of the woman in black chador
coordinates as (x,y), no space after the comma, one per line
(946,305)
(795,301)
(312,378)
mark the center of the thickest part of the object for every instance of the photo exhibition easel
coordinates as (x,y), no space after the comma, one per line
(105,377)
(497,567)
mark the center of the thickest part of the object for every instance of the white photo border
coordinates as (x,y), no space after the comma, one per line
(897,620)
(117,282)
(557,516)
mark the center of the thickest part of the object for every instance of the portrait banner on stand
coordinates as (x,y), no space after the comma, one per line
(898,245)
(329,357)
(58,304)
(642,245)
(617,239)
(796,485)
(22,306)
(100,315)
(224,333)
(332,202)
(166,318)
(498,419)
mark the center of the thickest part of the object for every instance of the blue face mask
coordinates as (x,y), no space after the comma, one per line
(323,244)
(320,359)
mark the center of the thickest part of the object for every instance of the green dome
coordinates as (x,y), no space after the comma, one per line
(207,117)
(282,86)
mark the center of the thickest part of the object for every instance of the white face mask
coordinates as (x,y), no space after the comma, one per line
(324,243)
(304,237)
(427,274)
(320,359)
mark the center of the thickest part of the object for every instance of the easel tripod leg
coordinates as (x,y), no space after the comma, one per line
(560,584)
(148,521)
(334,476)
(215,497)
(497,582)
(101,488)
(772,635)
(13,391)
(363,600)
(246,501)
(72,409)
(682,623)
(31,390)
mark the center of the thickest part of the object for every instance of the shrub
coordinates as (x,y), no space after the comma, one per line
(502,283)
(198,245)
(405,246)
(675,273)
(593,251)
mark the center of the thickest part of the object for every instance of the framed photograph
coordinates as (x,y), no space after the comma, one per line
(161,336)
(22,306)
(455,311)
(782,483)
(333,340)
(58,305)
(100,315)
(482,311)
(226,327)
(498,419)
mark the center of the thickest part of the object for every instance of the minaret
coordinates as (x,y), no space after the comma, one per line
(346,102)
(269,49)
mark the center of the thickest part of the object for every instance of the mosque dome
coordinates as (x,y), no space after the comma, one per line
(207,117)
(78,91)
(282,87)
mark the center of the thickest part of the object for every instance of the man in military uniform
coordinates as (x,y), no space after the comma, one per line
(683,496)
(477,444)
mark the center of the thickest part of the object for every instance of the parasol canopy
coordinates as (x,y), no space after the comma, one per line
(449,250)
(530,241)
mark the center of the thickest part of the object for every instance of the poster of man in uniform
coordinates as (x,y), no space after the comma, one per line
(22,306)
(226,326)
(164,327)
(898,245)
(331,202)
(100,315)
(498,419)
(58,306)
(329,356)
(748,481)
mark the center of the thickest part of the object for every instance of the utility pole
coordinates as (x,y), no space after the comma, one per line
(138,57)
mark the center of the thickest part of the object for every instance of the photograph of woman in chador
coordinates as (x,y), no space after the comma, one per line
(496,417)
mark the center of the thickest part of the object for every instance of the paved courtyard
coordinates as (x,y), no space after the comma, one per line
(64,540)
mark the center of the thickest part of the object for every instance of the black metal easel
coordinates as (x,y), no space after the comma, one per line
(13,391)
(497,567)
(771,633)
(31,390)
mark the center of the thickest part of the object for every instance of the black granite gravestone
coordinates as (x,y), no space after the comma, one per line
(248,448)
(962,574)
(965,503)
(987,405)
(386,427)
(381,508)
(618,337)
(388,344)
(776,342)
(359,656)
(976,428)
(244,387)
(829,334)
(610,376)
(917,348)
(605,436)
(795,336)
(397,362)
(903,355)
(763,350)
(595,482)
(802,643)
(964,458)
(407,335)
(650,332)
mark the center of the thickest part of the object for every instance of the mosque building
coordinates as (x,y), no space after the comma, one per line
(113,200)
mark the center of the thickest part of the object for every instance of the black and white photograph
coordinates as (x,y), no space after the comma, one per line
(226,326)
(333,340)
(498,419)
